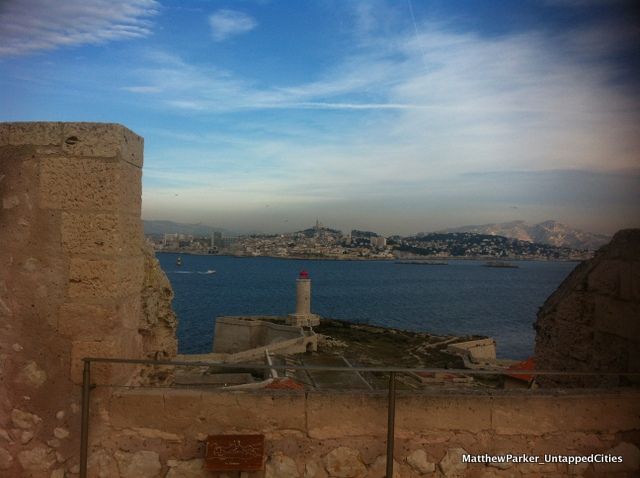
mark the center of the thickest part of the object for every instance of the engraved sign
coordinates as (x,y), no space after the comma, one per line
(234,453)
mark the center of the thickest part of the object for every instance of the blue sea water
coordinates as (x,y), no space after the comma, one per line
(461,298)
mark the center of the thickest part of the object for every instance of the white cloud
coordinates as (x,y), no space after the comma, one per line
(33,25)
(227,23)
(142,89)
(402,120)
(445,100)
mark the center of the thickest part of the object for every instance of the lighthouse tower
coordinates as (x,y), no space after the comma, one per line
(303,315)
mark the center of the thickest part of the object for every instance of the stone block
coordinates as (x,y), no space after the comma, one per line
(39,133)
(635,280)
(93,278)
(419,461)
(379,468)
(605,277)
(451,464)
(344,462)
(101,465)
(38,458)
(281,466)
(444,413)
(105,373)
(184,412)
(254,412)
(104,278)
(142,408)
(32,375)
(565,340)
(332,416)
(187,469)
(130,189)
(618,317)
(139,464)
(576,309)
(83,321)
(102,140)
(71,183)
(629,456)
(90,184)
(101,233)
(132,149)
(131,235)
(131,274)
(24,420)
(539,415)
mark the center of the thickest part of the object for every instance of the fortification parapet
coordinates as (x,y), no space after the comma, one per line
(72,271)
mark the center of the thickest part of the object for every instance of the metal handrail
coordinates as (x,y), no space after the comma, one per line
(392,371)
(202,363)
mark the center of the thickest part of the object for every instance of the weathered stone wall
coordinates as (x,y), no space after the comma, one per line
(592,321)
(160,433)
(75,281)
(237,334)
(72,270)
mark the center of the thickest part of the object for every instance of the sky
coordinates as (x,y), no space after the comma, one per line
(394,116)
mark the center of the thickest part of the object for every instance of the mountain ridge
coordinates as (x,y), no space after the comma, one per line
(549,232)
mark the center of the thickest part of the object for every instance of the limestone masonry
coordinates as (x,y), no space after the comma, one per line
(76,281)
(592,322)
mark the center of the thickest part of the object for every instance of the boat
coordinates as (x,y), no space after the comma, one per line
(501,264)
(179,261)
(209,271)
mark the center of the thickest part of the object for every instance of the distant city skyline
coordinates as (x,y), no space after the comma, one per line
(397,117)
(516,229)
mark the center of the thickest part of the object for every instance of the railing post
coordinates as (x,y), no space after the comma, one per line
(391,418)
(84,430)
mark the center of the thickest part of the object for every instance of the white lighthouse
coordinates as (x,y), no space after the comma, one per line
(303,315)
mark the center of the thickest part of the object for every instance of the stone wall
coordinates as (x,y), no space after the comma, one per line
(72,270)
(237,334)
(160,433)
(592,321)
(75,281)
(478,351)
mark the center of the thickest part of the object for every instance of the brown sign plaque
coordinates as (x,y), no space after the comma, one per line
(234,453)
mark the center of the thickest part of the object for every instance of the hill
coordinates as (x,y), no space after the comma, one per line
(548,232)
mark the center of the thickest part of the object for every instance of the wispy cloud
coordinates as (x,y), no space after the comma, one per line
(448,98)
(402,122)
(227,23)
(142,89)
(33,25)
(342,106)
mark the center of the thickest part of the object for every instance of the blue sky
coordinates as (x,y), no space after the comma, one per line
(398,116)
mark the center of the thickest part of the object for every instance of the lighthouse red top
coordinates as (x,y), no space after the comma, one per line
(304,275)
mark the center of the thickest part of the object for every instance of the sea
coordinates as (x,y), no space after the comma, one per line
(460,298)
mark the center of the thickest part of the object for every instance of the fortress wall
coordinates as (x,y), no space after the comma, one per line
(592,321)
(319,434)
(74,281)
(238,334)
(235,334)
